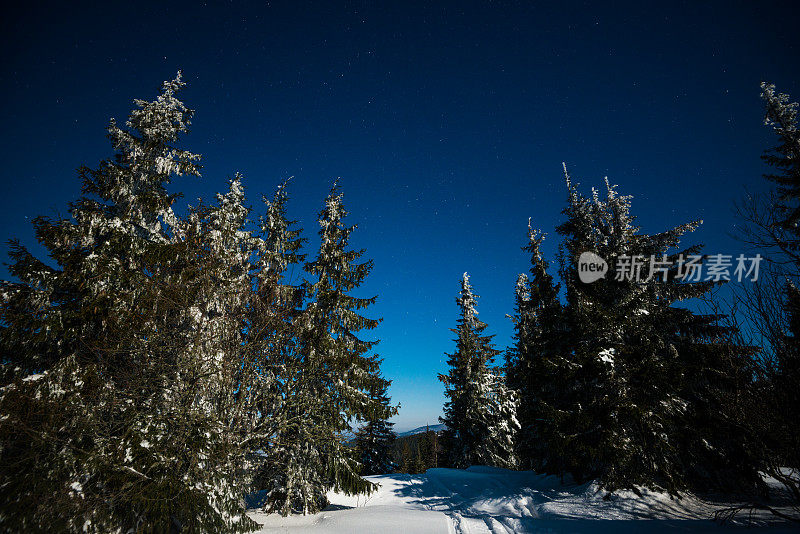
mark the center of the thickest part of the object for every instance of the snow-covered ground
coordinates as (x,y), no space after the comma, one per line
(489,500)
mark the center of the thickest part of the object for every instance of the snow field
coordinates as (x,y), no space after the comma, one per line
(498,501)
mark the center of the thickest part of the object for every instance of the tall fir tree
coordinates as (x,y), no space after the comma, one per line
(480,412)
(291,471)
(536,364)
(781,116)
(626,398)
(118,361)
(338,371)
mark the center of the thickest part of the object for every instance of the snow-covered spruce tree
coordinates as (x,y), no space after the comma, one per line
(375,439)
(234,388)
(537,367)
(781,115)
(772,227)
(337,372)
(105,363)
(640,389)
(480,412)
(290,469)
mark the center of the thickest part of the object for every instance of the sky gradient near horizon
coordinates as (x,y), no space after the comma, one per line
(447,123)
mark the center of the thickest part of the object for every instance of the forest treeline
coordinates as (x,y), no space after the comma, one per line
(616,377)
(161,366)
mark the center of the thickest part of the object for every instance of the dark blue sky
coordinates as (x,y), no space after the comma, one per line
(447,124)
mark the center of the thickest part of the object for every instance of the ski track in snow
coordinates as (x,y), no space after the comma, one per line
(452,506)
(483,500)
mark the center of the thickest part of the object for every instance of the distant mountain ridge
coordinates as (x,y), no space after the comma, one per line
(420,430)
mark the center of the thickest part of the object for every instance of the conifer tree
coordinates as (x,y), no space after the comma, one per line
(628,397)
(406,458)
(418,465)
(375,439)
(338,372)
(536,367)
(779,239)
(430,444)
(218,386)
(291,470)
(480,412)
(781,115)
(119,362)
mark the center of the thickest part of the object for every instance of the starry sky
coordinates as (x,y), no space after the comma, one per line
(446,121)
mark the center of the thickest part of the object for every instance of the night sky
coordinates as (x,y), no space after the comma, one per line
(447,123)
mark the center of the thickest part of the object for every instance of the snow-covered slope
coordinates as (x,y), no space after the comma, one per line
(420,430)
(489,500)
